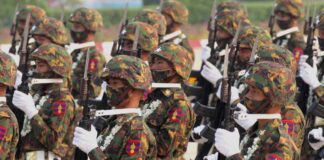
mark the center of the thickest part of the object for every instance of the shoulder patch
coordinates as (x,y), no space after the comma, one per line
(59,108)
(175,114)
(273,157)
(4,114)
(93,65)
(3,131)
(298,52)
(289,125)
(133,146)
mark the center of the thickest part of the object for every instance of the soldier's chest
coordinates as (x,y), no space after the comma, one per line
(78,60)
(160,113)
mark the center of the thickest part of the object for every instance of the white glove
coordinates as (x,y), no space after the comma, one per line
(303,59)
(308,74)
(234,93)
(205,54)
(18,79)
(85,140)
(198,129)
(246,124)
(211,73)
(212,157)
(318,134)
(25,103)
(227,142)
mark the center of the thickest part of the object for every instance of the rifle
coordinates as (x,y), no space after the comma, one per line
(84,101)
(122,25)
(271,21)
(62,18)
(306,24)
(13,31)
(160,7)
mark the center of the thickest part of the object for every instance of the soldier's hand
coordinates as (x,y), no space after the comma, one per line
(227,142)
(211,73)
(205,54)
(85,140)
(25,103)
(317,134)
(198,129)
(308,74)
(247,123)
(234,94)
(212,157)
(18,79)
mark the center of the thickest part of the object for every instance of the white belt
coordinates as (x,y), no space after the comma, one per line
(166,85)
(40,155)
(118,111)
(245,116)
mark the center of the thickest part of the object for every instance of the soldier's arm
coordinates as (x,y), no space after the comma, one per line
(9,135)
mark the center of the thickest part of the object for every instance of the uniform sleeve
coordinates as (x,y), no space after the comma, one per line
(55,128)
(9,135)
(96,65)
(319,92)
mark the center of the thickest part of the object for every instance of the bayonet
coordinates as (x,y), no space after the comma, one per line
(135,43)
(160,7)
(13,30)
(254,50)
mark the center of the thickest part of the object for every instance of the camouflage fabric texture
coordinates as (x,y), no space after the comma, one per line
(97,63)
(279,55)
(8,70)
(52,29)
(9,133)
(133,141)
(153,18)
(37,13)
(171,121)
(91,19)
(293,7)
(132,69)
(56,57)
(147,38)
(273,143)
(178,11)
(178,56)
(276,81)
(53,127)
(235,6)
(228,20)
(320,24)
(319,92)
(249,35)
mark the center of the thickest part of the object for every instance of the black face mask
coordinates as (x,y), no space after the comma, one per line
(321,43)
(37,44)
(161,76)
(79,37)
(221,43)
(283,24)
(117,95)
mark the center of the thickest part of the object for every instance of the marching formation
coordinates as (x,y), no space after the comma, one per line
(259,93)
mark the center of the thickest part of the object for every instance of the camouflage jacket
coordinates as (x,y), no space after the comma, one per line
(53,127)
(271,142)
(9,133)
(170,122)
(97,62)
(133,140)
(319,92)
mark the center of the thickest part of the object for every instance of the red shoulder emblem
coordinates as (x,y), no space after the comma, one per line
(297,53)
(175,114)
(289,125)
(93,63)
(59,108)
(3,131)
(273,157)
(133,146)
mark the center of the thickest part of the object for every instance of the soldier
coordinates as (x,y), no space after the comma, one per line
(176,15)
(147,40)
(153,18)
(85,23)
(37,14)
(233,6)
(167,110)
(287,14)
(50,30)
(319,45)
(51,114)
(269,87)
(127,136)
(9,131)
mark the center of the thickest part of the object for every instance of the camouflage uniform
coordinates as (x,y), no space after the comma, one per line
(179,14)
(92,21)
(153,18)
(168,112)
(236,6)
(295,41)
(133,140)
(37,14)
(272,140)
(9,131)
(52,29)
(52,128)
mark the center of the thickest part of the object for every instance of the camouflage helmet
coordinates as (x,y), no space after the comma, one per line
(147,38)
(37,13)
(228,20)
(8,70)
(132,69)
(292,7)
(279,55)
(56,57)
(320,22)
(236,6)
(153,18)
(276,81)
(178,11)
(52,29)
(251,34)
(178,56)
(91,19)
